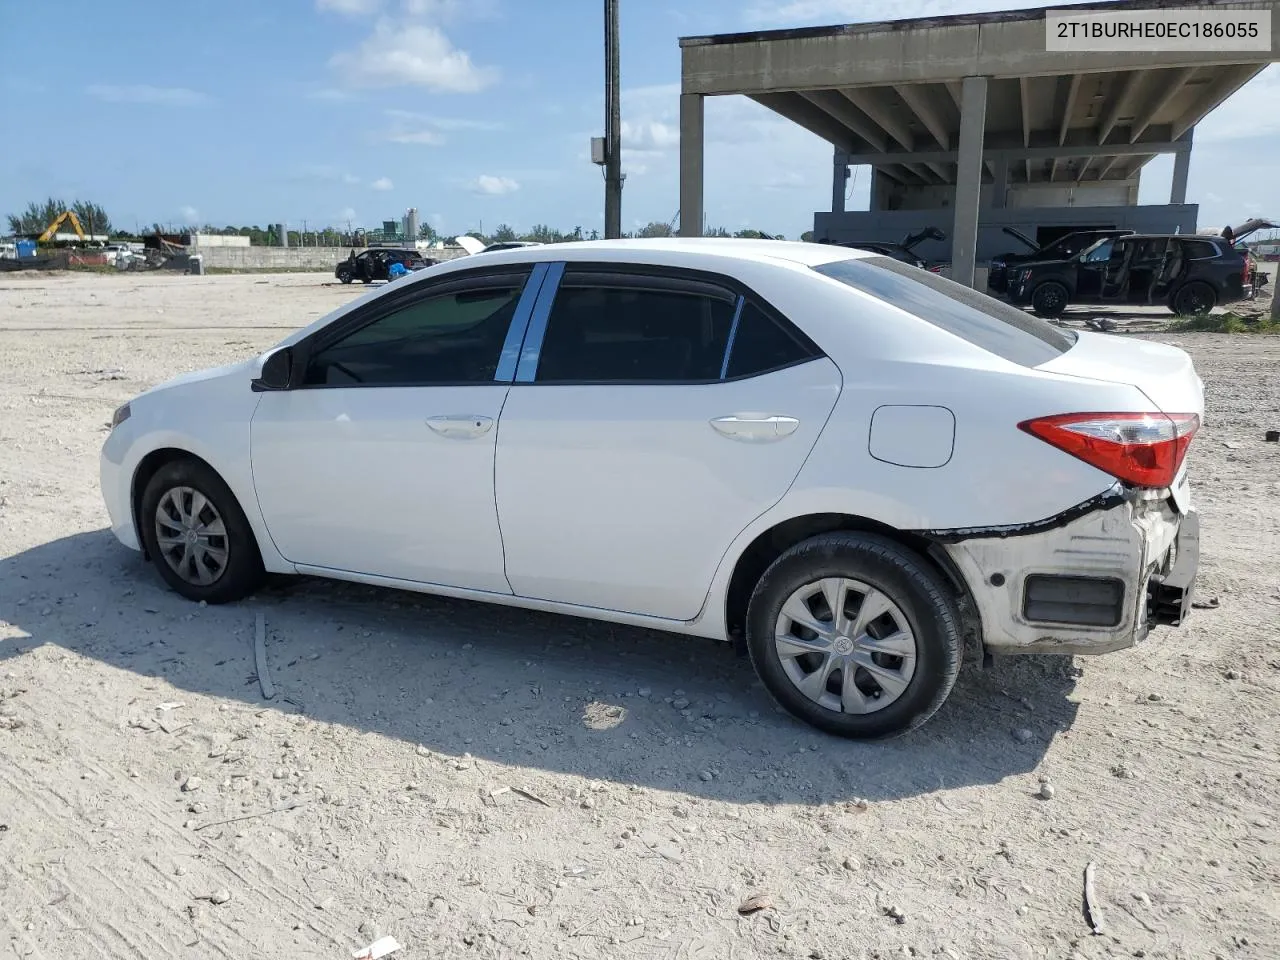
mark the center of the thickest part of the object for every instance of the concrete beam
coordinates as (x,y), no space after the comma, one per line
(1213,94)
(1024,100)
(1000,182)
(994,152)
(842,111)
(935,51)
(1083,167)
(1167,84)
(1069,107)
(1120,98)
(1181,170)
(691,164)
(916,96)
(870,103)
(801,112)
(940,171)
(839,178)
(964,236)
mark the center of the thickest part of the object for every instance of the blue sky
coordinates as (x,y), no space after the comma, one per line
(474,111)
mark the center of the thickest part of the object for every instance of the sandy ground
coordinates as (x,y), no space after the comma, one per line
(374,786)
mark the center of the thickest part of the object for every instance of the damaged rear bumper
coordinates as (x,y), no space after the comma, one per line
(1094,579)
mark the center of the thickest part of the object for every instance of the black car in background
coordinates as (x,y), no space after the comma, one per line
(903,252)
(375,264)
(1065,247)
(1187,273)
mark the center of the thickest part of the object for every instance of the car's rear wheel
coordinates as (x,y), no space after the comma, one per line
(344,277)
(1194,300)
(1049,299)
(855,634)
(197,535)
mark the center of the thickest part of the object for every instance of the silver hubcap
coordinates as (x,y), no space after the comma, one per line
(845,645)
(191,536)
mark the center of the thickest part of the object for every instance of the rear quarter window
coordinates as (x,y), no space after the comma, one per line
(985,322)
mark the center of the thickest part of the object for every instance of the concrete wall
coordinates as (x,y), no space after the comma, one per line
(288,258)
(216,240)
(894,225)
(890,195)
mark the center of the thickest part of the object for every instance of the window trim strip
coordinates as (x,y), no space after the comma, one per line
(733,335)
(509,359)
(527,368)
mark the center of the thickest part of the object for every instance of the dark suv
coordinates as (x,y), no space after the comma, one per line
(375,264)
(1004,267)
(1187,273)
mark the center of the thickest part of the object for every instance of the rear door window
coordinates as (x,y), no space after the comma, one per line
(635,329)
(993,325)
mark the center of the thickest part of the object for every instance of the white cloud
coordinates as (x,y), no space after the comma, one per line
(346,214)
(350,178)
(431,138)
(493,186)
(421,55)
(350,8)
(442,123)
(650,135)
(1240,118)
(190,215)
(141,93)
(382,183)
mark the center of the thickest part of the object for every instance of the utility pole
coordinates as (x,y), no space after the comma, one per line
(612,125)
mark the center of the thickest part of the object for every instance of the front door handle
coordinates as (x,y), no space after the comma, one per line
(465,426)
(752,428)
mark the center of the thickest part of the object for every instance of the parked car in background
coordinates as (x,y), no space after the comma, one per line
(903,252)
(1004,266)
(819,452)
(1235,235)
(1188,274)
(375,264)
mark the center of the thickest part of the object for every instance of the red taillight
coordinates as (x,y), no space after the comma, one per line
(1144,449)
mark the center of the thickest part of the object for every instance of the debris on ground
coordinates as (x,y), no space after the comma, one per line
(1091,912)
(755,903)
(379,948)
(260,656)
(1210,604)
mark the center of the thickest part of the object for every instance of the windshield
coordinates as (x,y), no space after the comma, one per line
(991,324)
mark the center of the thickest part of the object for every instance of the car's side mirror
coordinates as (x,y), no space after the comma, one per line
(277,372)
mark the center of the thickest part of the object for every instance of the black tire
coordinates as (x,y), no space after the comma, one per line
(344,277)
(1194,299)
(1049,299)
(366,279)
(906,580)
(241,573)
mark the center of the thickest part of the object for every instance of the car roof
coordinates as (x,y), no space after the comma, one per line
(665,250)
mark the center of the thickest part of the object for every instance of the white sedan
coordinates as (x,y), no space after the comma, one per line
(853,467)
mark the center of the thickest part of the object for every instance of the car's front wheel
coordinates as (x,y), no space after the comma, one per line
(197,535)
(1049,299)
(855,634)
(344,276)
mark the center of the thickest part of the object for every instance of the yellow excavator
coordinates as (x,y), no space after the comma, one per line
(63,217)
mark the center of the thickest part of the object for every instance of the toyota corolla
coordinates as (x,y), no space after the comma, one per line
(862,472)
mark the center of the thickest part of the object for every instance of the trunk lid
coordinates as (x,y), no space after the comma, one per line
(1164,373)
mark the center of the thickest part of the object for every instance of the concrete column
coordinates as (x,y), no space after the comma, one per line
(973,124)
(1000,188)
(691,163)
(1181,167)
(839,178)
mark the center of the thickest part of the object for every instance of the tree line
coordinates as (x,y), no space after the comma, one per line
(36,218)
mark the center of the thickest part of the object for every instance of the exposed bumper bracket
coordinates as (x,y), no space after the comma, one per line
(1169,596)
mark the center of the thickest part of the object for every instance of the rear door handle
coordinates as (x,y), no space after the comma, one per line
(464,426)
(755,429)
